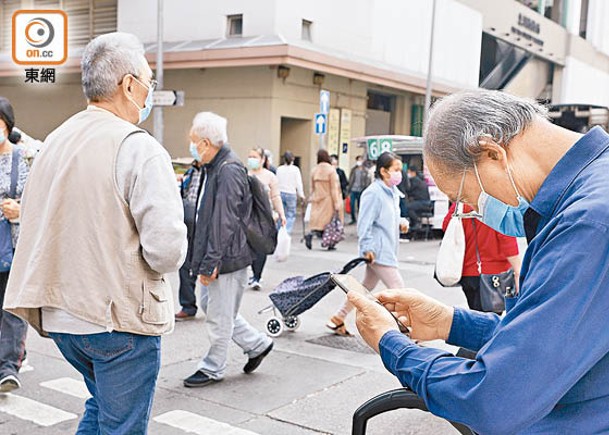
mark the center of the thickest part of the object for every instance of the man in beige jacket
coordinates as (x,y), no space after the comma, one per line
(101,222)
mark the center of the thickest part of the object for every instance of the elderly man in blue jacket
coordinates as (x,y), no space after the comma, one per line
(544,367)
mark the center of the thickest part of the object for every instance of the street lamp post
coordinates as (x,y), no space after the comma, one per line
(158,111)
(429,66)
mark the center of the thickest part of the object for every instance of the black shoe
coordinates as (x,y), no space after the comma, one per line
(309,241)
(253,363)
(199,379)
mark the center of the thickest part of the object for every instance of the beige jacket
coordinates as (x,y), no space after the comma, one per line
(79,248)
(325,196)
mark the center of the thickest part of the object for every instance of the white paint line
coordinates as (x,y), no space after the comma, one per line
(31,410)
(197,424)
(68,386)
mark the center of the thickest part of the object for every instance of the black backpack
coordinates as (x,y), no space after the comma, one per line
(261,228)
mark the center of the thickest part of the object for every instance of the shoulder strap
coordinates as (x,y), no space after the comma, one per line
(14,172)
(478,260)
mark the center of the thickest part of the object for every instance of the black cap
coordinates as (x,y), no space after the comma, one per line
(7,114)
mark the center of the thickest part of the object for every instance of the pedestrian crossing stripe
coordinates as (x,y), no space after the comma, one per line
(31,410)
(197,424)
(68,386)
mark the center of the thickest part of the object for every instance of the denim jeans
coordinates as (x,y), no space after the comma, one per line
(221,301)
(355,199)
(289,201)
(13,331)
(120,370)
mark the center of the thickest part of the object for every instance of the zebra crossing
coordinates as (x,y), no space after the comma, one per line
(45,415)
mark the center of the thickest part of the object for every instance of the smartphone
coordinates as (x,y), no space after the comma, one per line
(348,283)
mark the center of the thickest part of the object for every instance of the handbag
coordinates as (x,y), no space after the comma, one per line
(494,287)
(6,237)
(449,262)
(284,242)
(333,233)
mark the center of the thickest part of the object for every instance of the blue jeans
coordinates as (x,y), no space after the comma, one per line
(12,336)
(355,199)
(120,370)
(289,206)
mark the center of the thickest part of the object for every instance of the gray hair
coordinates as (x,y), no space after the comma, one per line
(107,59)
(208,125)
(456,123)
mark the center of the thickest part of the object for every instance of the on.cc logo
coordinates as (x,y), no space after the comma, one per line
(39,32)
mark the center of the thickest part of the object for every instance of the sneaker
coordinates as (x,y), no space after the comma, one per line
(255,285)
(9,383)
(337,325)
(199,379)
(253,363)
(182,315)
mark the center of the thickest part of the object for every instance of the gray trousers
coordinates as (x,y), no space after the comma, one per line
(220,301)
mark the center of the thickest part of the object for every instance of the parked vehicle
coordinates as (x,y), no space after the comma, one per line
(410,149)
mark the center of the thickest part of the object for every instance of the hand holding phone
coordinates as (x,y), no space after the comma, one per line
(348,283)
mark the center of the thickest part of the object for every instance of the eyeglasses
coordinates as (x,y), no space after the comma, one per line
(151,85)
(459,205)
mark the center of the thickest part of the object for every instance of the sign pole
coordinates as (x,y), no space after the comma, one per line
(158,111)
(429,77)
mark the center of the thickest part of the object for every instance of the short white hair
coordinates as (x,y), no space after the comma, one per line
(208,125)
(107,59)
(457,122)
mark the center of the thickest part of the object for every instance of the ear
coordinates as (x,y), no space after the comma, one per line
(491,149)
(127,84)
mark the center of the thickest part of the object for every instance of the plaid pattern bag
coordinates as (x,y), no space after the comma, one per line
(333,233)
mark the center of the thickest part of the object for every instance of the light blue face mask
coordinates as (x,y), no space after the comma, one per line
(253,163)
(144,112)
(502,217)
(194,152)
(2,137)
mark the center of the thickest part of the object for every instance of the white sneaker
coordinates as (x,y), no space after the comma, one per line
(255,285)
(9,383)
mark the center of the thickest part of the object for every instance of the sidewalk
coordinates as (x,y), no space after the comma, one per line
(301,388)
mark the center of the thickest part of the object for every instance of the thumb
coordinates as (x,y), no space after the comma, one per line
(356,299)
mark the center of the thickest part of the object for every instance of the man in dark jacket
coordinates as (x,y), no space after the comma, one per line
(418,197)
(220,252)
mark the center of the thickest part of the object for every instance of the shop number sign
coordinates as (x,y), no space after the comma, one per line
(377,146)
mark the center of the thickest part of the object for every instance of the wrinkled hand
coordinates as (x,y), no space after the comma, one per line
(207,280)
(372,320)
(369,255)
(427,318)
(10,209)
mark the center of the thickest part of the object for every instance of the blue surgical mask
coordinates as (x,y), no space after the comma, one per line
(502,217)
(144,112)
(253,163)
(2,137)
(194,152)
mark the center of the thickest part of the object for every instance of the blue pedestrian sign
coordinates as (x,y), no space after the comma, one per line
(321,121)
(324,101)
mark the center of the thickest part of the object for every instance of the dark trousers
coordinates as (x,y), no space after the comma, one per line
(471,288)
(414,208)
(13,331)
(188,299)
(258,266)
(355,199)
(186,294)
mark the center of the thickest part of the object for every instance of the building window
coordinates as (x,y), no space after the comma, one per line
(7,7)
(305,33)
(234,25)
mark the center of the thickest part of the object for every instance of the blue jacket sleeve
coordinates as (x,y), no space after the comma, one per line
(550,339)
(472,329)
(369,210)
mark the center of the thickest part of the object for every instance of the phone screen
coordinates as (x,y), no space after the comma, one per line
(348,283)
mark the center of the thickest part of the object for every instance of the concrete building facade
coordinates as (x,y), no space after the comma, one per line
(262,63)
